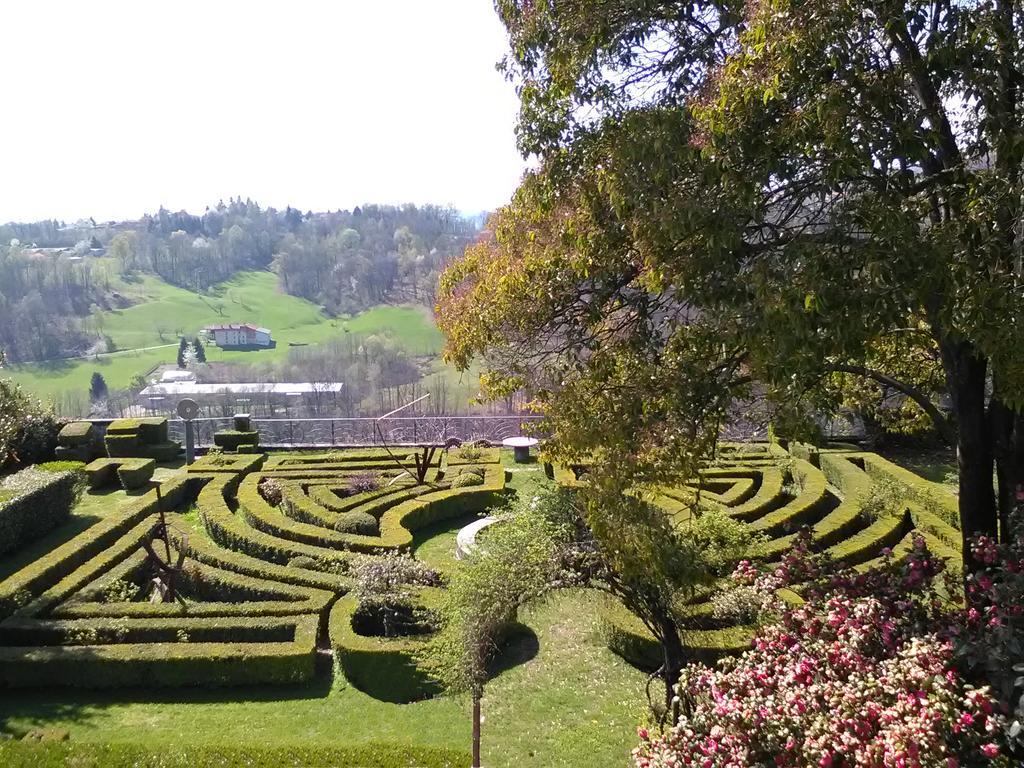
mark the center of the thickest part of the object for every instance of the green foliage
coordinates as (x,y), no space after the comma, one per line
(734,213)
(286,657)
(361,523)
(467,479)
(33,502)
(232,440)
(44,572)
(521,562)
(85,755)
(386,668)
(97,387)
(28,430)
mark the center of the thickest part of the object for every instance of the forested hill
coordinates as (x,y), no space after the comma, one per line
(53,276)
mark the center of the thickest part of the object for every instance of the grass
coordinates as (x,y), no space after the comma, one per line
(563,700)
(935,464)
(249,297)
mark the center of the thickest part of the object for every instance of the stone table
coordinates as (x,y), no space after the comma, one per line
(522,446)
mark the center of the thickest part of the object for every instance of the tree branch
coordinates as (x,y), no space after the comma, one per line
(942,424)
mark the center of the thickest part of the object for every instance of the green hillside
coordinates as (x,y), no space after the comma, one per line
(251,297)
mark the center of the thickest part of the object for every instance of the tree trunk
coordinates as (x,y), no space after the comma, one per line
(672,667)
(1007,426)
(966,375)
(476,730)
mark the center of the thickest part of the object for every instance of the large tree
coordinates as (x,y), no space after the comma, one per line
(771,198)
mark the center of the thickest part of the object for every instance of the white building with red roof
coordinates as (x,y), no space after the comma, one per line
(233,336)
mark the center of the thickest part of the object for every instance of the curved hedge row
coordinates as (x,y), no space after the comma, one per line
(826,490)
(383,667)
(259,582)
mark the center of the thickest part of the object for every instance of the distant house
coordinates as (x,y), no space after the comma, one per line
(239,336)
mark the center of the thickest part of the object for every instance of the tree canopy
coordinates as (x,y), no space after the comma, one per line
(774,199)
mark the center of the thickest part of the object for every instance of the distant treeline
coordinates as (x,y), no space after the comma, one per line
(345,261)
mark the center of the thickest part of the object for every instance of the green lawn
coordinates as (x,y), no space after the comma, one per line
(935,464)
(249,297)
(563,700)
(560,698)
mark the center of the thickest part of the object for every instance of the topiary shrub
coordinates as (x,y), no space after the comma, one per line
(34,502)
(304,562)
(466,480)
(232,440)
(357,522)
(136,473)
(76,434)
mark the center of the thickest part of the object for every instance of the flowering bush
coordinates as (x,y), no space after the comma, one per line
(863,674)
(364,482)
(990,641)
(271,490)
(384,588)
(28,430)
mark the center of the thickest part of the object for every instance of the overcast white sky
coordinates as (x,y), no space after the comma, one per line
(111,109)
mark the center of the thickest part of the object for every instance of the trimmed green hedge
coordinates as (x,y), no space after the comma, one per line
(944,504)
(809,504)
(347,456)
(207,551)
(454,457)
(151,430)
(171,664)
(32,514)
(76,433)
(91,755)
(135,473)
(230,531)
(79,441)
(211,591)
(25,585)
(132,473)
(232,440)
(215,463)
(400,513)
(766,498)
(626,636)
(382,667)
(140,438)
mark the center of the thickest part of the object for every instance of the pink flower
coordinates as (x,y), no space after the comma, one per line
(990,750)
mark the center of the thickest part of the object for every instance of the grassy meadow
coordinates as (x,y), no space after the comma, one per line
(161,313)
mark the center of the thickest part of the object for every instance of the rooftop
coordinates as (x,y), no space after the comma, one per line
(237,327)
(185,388)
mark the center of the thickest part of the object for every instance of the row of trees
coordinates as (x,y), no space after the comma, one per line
(43,300)
(345,260)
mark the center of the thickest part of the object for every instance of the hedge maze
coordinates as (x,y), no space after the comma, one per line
(265,570)
(856,504)
(268,544)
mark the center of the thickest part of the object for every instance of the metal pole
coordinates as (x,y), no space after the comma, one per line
(190,443)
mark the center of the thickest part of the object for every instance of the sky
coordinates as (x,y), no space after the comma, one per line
(113,109)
